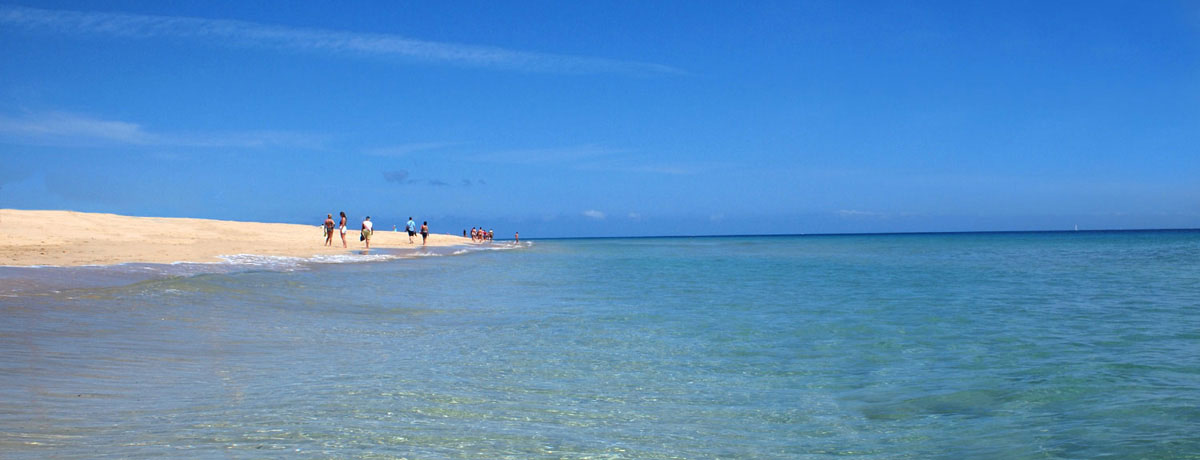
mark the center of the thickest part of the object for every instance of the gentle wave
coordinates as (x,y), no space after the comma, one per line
(16,280)
(292,263)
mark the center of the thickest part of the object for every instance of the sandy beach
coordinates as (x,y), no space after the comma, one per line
(69,238)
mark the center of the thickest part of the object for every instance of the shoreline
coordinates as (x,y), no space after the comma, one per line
(45,238)
(20,280)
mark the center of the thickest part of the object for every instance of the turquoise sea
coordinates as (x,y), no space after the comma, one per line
(954,346)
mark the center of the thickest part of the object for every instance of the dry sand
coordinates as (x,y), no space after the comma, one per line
(68,238)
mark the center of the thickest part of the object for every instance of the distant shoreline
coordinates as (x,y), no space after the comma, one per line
(70,238)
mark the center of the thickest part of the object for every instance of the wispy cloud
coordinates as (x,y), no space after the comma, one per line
(592,157)
(348,44)
(402,177)
(853,213)
(73,130)
(633,166)
(398,176)
(594,214)
(408,149)
(249,139)
(563,155)
(63,128)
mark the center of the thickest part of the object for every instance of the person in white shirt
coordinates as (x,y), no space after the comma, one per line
(366,231)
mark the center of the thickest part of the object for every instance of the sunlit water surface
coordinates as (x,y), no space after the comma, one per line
(1013,346)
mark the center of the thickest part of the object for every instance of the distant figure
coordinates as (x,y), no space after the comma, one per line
(412,229)
(464,233)
(366,231)
(424,232)
(517,237)
(329,229)
(491,235)
(342,228)
(473,234)
(394,228)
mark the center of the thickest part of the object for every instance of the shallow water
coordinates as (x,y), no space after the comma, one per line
(1026,345)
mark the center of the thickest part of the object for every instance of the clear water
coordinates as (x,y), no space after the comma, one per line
(1013,346)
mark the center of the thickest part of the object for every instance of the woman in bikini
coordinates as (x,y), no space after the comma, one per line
(342,228)
(424,232)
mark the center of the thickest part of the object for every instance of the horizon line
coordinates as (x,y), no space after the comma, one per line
(914,233)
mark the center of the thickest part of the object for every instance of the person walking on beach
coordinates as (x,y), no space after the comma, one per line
(329,229)
(366,231)
(424,232)
(412,229)
(517,237)
(342,228)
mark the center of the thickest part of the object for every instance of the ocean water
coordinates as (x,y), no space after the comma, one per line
(1006,346)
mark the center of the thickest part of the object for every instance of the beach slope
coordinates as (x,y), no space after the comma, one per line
(69,238)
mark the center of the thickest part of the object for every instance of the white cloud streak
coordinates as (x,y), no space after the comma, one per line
(72,130)
(408,149)
(854,213)
(594,214)
(61,127)
(565,155)
(347,44)
(597,158)
(631,166)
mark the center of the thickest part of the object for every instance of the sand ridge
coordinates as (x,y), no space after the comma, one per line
(70,238)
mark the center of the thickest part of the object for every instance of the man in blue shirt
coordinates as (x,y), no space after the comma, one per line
(412,229)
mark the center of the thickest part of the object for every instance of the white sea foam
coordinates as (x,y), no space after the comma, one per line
(501,246)
(44,277)
(293,263)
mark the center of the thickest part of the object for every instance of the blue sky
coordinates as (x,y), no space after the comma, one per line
(609,118)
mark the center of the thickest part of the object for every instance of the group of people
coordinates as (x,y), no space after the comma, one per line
(365,235)
(480,235)
(368,229)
